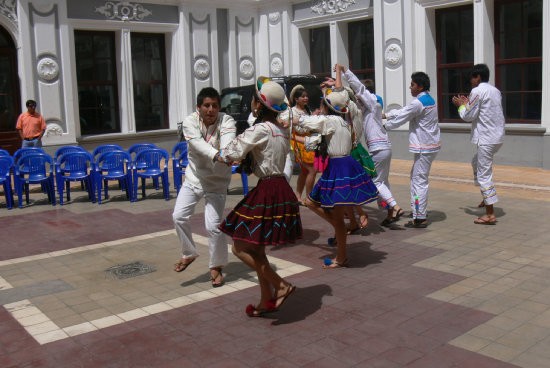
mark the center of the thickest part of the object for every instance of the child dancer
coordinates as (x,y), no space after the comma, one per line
(298,100)
(484,110)
(378,142)
(424,142)
(344,182)
(269,214)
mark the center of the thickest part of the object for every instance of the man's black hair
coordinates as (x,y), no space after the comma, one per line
(30,102)
(369,85)
(421,79)
(207,92)
(481,70)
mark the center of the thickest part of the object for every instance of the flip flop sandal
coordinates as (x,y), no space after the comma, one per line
(330,263)
(213,280)
(252,311)
(480,221)
(180,266)
(416,225)
(354,231)
(387,221)
(290,291)
(398,215)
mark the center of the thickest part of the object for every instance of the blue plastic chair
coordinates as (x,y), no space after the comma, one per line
(35,172)
(75,166)
(6,166)
(113,165)
(179,163)
(148,165)
(3,152)
(244,178)
(105,148)
(138,147)
(66,149)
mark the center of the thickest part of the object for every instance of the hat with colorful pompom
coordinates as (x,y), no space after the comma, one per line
(271,94)
(336,100)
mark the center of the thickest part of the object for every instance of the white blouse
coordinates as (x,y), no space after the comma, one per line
(268,143)
(334,128)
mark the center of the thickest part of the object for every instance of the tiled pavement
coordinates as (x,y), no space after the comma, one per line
(453,295)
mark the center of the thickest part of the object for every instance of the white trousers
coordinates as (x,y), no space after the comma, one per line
(382,161)
(482,163)
(420,173)
(188,198)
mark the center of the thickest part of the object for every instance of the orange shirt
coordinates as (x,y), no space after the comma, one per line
(31,125)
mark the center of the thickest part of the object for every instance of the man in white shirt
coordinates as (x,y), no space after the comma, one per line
(484,109)
(207,132)
(424,142)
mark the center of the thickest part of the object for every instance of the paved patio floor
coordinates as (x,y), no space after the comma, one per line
(453,295)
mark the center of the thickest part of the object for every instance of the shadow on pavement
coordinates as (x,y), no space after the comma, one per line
(303,303)
(480,211)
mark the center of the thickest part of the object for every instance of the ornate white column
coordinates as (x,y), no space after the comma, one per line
(243,31)
(126,85)
(484,42)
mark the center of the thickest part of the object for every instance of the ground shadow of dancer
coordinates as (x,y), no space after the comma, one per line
(304,302)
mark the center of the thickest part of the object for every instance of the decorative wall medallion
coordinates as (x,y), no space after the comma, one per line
(276,65)
(201,68)
(53,129)
(123,10)
(9,9)
(47,69)
(323,7)
(274,18)
(393,106)
(393,55)
(246,68)
(43,6)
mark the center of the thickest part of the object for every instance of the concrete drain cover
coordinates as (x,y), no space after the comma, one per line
(130,270)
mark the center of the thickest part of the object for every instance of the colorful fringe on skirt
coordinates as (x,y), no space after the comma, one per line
(269,214)
(361,155)
(344,182)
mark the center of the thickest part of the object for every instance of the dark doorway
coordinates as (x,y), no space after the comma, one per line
(10,106)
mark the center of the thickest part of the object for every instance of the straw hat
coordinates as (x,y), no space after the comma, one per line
(271,94)
(293,92)
(336,100)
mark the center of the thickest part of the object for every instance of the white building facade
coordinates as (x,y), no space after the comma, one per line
(128,71)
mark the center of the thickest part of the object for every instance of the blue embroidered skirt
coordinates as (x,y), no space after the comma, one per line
(344,182)
(268,214)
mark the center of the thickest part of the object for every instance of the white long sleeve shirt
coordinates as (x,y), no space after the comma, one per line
(334,128)
(484,110)
(421,113)
(268,143)
(375,135)
(203,143)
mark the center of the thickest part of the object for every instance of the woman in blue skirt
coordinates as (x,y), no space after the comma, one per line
(344,182)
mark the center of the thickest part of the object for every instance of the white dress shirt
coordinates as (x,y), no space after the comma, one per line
(484,110)
(421,114)
(334,128)
(375,135)
(203,144)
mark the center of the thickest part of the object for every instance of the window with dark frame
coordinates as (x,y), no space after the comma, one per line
(455,56)
(319,51)
(361,48)
(97,82)
(150,82)
(518,59)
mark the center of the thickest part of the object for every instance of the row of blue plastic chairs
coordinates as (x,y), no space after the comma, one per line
(107,162)
(73,163)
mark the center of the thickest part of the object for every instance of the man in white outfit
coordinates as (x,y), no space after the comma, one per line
(484,109)
(424,142)
(207,132)
(378,142)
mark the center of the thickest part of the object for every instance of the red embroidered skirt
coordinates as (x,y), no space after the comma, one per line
(269,214)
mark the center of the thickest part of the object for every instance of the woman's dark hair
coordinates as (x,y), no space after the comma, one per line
(207,92)
(298,93)
(248,161)
(421,79)
(482,70)
(369,85)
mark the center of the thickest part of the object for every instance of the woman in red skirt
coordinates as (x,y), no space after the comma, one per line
(269,214)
